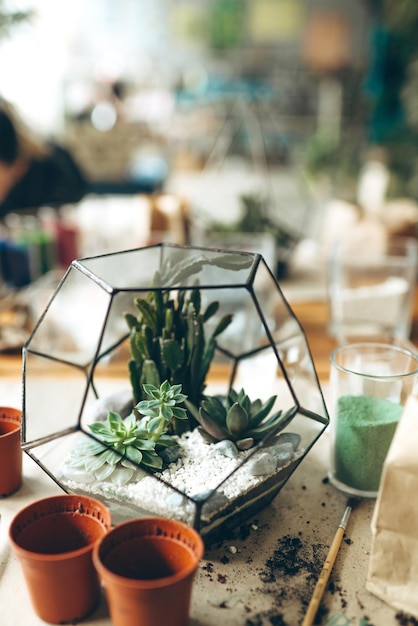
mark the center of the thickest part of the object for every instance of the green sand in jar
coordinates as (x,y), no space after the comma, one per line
(365,427)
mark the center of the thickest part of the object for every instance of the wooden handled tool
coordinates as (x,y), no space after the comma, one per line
(327,567)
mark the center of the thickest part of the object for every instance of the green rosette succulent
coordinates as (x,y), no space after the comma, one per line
(138,440)
(236,418)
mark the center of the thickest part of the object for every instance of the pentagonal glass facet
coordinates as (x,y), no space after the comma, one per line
(76,371)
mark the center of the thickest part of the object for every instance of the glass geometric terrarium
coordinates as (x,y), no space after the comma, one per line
(211,324)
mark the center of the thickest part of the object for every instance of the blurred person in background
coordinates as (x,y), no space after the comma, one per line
(33,172)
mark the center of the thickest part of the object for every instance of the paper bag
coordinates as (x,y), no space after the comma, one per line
(393,563)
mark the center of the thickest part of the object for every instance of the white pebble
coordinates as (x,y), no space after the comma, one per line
(264,464)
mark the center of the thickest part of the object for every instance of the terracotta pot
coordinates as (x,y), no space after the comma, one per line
(10,450)
(54,539)
(147,566)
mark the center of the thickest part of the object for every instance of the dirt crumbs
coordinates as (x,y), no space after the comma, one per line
(406,620)
(296,566)
(292,557)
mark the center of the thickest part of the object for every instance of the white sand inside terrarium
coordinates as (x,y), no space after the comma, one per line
(199,469)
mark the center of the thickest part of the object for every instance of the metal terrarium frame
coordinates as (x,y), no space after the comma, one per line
(77,354)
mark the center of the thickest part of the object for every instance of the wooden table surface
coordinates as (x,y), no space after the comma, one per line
(241,580)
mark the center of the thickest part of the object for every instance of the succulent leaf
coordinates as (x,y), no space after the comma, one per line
(173,354)
(237,419)
(121,476)
(131,321)
(111,457)
(148,341)
(150,373)
(279,421)
(165,441)
(154,424)
(260,411)
(255,407)
(152,460)
(206,436)
(223,325)
(94,462)
(133,454)
(210,311)
(135,376)
(148,313)
(212,427)
(158,297)
(214,407)
(179,413)
(195,300)
(139,346)
(104,471)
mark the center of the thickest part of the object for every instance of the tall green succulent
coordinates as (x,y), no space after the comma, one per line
(167,336)
(237,418)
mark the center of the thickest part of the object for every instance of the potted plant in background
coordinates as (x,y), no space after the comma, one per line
(256,220)
(212,347)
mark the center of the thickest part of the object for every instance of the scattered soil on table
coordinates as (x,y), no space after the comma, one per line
(291,558)
(289,574)
(406,620)
(295,565)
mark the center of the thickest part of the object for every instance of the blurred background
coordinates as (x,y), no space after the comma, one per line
(275,125)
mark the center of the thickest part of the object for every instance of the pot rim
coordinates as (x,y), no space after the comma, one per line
(108,575)
(36,508)
(10,415)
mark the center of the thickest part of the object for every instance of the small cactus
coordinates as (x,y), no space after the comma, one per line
(237,418)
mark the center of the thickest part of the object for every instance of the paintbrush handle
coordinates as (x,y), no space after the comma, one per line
(323,577)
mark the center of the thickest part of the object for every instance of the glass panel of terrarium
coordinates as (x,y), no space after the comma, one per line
(116,328)
(290,340)
(254,479)
(245,333)
(71,325)
(261,377)
(53,394)
(136,269)
(257,475)
(128,269)
(144,494)
(277,316)
(53,454)
(106,394)
(219,267)
(308,428)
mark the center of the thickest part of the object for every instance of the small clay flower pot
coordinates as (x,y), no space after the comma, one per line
(147,566)
(54,539)
(10,450)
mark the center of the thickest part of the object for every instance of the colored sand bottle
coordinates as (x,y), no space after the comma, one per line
(370,383)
